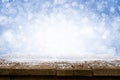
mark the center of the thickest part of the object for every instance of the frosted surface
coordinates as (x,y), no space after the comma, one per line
(55,29)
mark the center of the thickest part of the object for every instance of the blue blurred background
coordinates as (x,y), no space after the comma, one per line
(14,13)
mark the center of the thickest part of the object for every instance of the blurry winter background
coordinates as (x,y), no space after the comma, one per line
(60,29)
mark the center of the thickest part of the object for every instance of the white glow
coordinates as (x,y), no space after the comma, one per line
(63,32)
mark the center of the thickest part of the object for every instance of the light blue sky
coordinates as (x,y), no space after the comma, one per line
(18,19)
